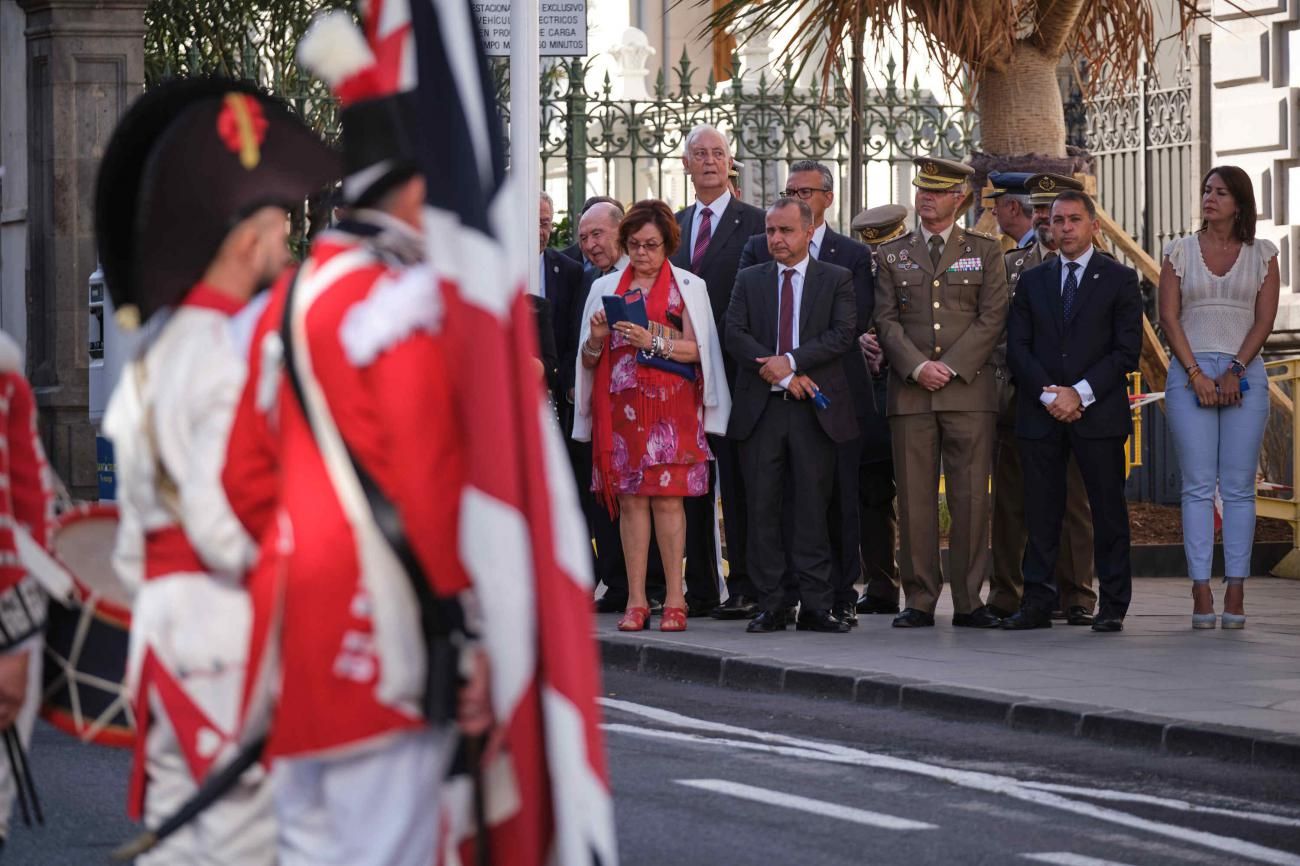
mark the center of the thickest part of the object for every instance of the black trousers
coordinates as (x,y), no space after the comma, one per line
(878,529)
(842,527)
(789,458)
(735,513)
(607,561)
(1101,463)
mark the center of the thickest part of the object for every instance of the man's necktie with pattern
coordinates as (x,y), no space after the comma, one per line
(1071,289)
(785,326)
(702,238)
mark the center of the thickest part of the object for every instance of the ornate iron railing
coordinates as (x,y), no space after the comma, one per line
(594,142)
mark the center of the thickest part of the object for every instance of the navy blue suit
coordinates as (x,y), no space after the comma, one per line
(1100,343)
(843,519)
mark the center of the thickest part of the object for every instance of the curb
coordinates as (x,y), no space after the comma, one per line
(1170,736)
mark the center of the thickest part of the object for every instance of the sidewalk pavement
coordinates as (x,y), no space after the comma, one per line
(1158,684)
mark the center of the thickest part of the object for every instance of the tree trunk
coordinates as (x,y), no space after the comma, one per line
(1020,108)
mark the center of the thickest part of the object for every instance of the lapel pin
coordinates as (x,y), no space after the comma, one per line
(890,258)
(1095,276)
(556,268)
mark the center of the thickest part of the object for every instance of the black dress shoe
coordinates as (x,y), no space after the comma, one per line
(870,604)
(700,608)
(1078,615)
(1108,622)
(821,620)
(736,607)
(611,604)
(1058,615)
(980,617)
(913,618)
(999,612)
(766,621)
(843,611)
(1027,618)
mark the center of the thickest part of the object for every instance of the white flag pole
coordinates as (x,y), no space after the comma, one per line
(526,115)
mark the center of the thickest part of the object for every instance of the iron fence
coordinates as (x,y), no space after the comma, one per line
(594,142)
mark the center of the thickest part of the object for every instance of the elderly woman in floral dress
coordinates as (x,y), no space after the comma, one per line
(647,420)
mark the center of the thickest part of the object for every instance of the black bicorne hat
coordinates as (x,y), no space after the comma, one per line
(187,162)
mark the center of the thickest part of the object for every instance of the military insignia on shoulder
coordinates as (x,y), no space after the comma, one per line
(1019,262)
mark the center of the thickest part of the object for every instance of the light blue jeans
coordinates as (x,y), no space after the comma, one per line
(1217,443)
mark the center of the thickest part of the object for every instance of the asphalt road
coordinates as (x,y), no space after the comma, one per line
(719,777)
(714,776)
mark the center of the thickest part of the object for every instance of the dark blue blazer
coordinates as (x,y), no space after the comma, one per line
(1100,342)
(855,257)
(564,291)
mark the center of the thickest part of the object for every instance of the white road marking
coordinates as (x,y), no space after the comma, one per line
(988,782)
(805,804)
(1064,858)
(1181,805)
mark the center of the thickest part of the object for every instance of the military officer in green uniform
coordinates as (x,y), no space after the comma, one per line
(877,517)
(941,308)
(1074,565)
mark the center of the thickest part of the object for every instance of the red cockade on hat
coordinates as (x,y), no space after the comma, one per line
(241,123)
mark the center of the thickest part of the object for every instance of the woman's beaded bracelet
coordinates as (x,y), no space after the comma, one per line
(1192,372)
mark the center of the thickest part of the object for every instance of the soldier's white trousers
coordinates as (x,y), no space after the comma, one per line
(238,828)
(375,807)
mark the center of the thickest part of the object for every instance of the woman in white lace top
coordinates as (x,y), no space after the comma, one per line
(1218,299)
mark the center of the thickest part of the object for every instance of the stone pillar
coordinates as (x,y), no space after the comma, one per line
(85,65)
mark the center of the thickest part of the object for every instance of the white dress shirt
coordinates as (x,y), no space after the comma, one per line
(815,245)
(541,284)
(796,281)
(716,207)
(1082,387)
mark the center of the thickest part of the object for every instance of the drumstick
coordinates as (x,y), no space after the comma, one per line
(18,777)
(212,789)
(27,776)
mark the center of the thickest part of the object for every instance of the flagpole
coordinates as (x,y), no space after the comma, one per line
(526,115)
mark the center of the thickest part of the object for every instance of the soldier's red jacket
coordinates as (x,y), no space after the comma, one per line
(25,496)
(367,348)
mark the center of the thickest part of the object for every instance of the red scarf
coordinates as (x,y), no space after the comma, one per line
(647,379)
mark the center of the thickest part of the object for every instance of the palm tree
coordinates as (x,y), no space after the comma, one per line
(1009,49)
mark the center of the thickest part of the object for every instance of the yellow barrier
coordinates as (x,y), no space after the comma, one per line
(1133,448)
(1287,370)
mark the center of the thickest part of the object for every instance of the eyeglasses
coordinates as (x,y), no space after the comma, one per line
(803,192)
(649,246)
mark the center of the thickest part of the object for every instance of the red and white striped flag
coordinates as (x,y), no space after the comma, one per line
(522,534)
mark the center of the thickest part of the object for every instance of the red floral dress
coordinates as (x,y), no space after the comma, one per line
(658,444)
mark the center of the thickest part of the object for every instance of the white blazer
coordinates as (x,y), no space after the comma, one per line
(717,396)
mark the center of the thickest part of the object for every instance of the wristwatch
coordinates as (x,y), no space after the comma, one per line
(1238,368)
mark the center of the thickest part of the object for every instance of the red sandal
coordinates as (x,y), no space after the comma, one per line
(635,619)
(673,619)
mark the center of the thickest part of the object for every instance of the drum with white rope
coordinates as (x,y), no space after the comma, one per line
(86,642)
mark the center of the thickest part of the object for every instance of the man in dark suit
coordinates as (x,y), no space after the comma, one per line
(714,231)
(598,239)
(1075,333)
(789,325)
(560,285)
(575,250)
(814,183)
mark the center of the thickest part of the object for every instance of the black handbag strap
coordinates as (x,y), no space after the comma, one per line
(440,617)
